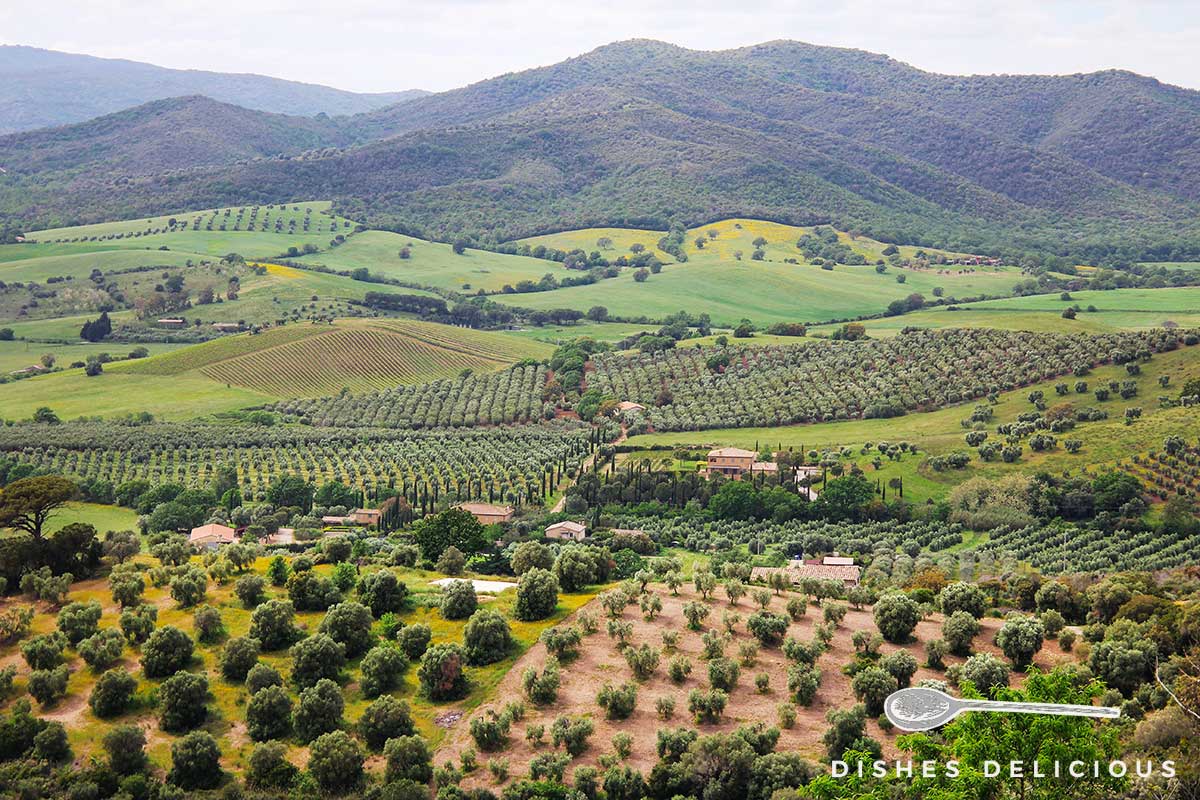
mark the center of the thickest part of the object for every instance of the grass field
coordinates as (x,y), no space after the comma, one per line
(732,235)
(80,263)
(296,360)
(713,281)
(1105,443)
(18,355)
(432,263)
(1118,309)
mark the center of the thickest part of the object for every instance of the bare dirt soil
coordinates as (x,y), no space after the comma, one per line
(600,662)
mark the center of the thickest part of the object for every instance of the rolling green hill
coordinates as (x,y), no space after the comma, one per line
(715,282)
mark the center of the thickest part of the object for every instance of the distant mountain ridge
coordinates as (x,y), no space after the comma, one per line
(44,88)
(643,133)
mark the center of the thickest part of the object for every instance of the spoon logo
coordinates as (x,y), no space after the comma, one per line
(922,709)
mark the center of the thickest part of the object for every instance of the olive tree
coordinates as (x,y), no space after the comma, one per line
(537,595)
(896,616)
(1020,639)
(487,637)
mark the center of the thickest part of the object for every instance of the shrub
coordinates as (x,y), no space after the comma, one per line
(642,660)
(319,710)
(189,587)
(490,731)
(723,673)
(441,672)
(935,653)
(542,688)
(113,693)
(384,719)
(125,745)
(803,682)
(44,651)
(562,642)
(195,762)
(50,743)
(273,624)
(459,600)
(269,767)
(833,612)
(315,658)
(537,595)
(414,640)
(451,561)
(985,672)
(679,668)
(208,624)
(349,624)
(269,714)
(900,665)
(797,608)
(167,651)
(1052,623)
(529,555)
(872,686)
(408,758)
(707,707)
(336,762)
(1066,639)
(896,616)
(250,589)
(665,707)
(182,701)
(138,623)
(618,702)
(487,637)
(382,592)
(768,628)
(959,630)
(571,734)
(78,621)
(696,613)
(847,730)
(748,653)
(962,596)
(102,649)
(260,677)
(310,591)
(1020,638)
(238,657)
(382,667)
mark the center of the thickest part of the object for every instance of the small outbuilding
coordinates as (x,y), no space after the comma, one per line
(567,529)
(211,536)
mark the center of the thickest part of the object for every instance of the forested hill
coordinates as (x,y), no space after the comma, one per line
(44,88)
(1099,166)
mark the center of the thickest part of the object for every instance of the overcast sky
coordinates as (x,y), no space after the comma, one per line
(383,45)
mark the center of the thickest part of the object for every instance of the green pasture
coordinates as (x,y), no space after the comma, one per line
(18,355)
(432,263)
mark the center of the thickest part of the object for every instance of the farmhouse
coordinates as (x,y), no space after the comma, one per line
(734,462)
(228,326)
(575,531)
(366,516)
(32,369)
(212,536)
(629,405)
(172,322)
(799,571)
(486,513)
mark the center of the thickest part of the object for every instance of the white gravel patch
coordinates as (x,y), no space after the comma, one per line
(483,587)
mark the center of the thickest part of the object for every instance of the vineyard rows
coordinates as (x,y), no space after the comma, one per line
(356,358)
(210,353)
(511,396)
(486,344)
(505,463)
(821,380)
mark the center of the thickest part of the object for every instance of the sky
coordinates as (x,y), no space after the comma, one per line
(388,45)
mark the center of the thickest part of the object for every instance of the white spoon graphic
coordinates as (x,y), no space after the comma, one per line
(921,709)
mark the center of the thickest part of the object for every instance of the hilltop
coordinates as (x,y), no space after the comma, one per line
(643,134)
(47,87)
